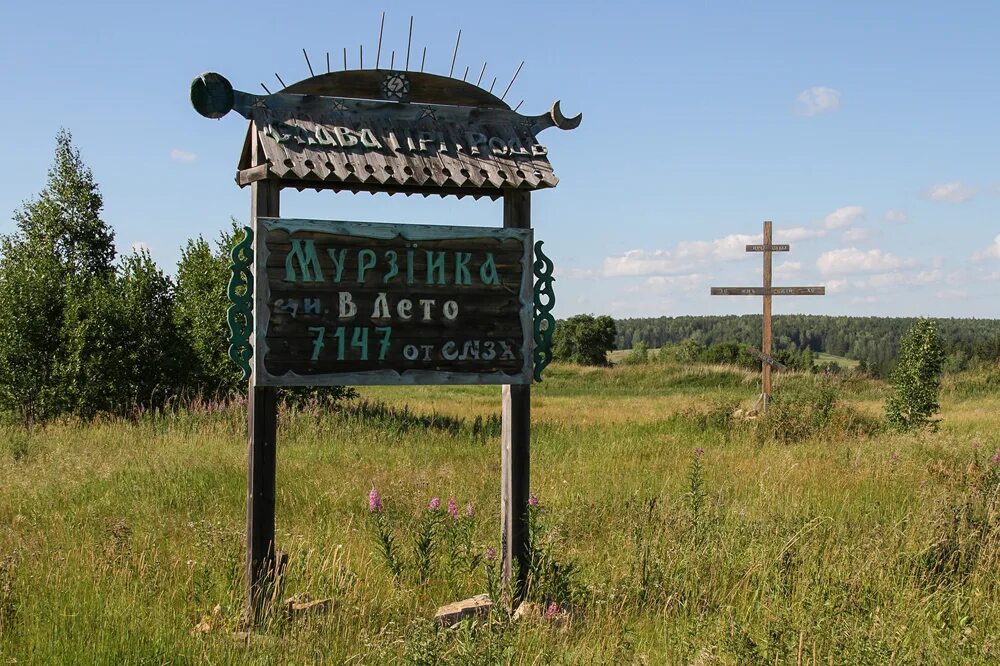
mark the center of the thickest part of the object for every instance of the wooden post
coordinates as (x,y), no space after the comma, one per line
(262,416)
(766,367)
(515,440)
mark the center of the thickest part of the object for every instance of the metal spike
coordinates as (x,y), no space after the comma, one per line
(378,52)
(519,105)
(392,60)
(265,88)
(464,76)
(512,81)
(279,80)
(455,54)
(345,58)
(409,40)
(361,56)
(481,74)
(327,62)
(493,84)
(423,60)
(308,64)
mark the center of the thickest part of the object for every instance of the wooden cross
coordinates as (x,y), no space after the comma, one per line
(767,291)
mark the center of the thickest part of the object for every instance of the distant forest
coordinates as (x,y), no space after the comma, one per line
(874,340)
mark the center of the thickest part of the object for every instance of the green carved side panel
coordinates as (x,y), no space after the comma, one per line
(240,314)
(545,300)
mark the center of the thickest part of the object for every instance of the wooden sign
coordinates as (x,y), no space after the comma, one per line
(766,358)
(353,303)
(768,291)
(768,248)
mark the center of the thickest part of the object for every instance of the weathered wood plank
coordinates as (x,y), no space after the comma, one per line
(515,442)
(262,417)
(767,248)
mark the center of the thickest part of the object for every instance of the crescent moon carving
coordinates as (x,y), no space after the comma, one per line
(561,121)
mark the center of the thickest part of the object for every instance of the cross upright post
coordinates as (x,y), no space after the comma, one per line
(766,341)
(767,291)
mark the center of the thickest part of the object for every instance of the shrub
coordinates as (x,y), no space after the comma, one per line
(638,355)
(916,379)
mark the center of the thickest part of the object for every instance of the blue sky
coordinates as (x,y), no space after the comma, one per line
(869,134)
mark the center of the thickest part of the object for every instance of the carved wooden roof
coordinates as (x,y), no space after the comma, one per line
(386,131)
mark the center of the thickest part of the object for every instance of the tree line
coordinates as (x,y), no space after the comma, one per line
(875,341)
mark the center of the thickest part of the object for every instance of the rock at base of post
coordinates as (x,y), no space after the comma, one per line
(477,606)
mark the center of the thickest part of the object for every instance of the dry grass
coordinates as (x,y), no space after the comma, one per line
(117,538)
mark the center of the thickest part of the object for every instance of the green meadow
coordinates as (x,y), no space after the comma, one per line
(676,528)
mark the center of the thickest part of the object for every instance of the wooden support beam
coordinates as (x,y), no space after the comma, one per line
(766,367)
(515,441)
(262,417)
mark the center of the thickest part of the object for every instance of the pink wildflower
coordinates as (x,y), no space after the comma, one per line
(374,501)
(533,500)
(434,504)
(469,511)
(491,554)
(453,508)
(551,611)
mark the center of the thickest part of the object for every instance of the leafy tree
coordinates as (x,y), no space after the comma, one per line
(200,313)
(584,339)
(916,379)
(60,249)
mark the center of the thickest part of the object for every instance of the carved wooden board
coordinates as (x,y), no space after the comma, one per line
(768,291)
(362,303)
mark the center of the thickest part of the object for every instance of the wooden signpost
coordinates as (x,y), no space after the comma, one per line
(767,291)
(321,303)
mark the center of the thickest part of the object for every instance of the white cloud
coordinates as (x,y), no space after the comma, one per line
(951,294)
(856,234)
(835,286)
(992,252)
(682,282)
(787,269)
(853,260)
(793,234)
(684,258)
(865,300)
(139,246)
(953,192)
(895,215)
(816,100)
(178,155)
(882,280)
(843,217)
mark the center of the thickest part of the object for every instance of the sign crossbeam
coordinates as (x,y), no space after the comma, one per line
(768,362)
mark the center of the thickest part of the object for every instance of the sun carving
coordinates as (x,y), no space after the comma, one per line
(395,86)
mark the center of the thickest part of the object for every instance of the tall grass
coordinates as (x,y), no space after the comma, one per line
(842,544)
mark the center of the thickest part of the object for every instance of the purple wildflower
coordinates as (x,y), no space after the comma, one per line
(532,500)
(491,554)
(469,511)
(894,457)
(699,452)
(976,444)
(551,611)
(996,457)
(453,508)
(435,504)
(374,501)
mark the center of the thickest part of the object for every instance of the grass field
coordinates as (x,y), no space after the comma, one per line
(806,537)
